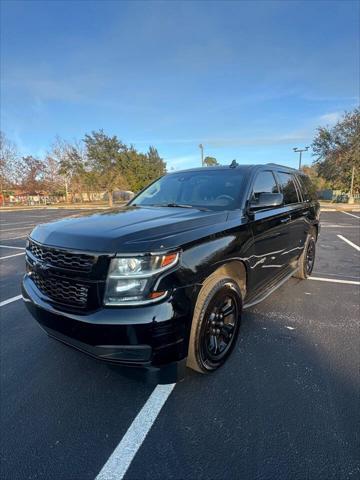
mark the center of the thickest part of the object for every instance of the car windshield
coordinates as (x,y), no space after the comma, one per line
(217,189)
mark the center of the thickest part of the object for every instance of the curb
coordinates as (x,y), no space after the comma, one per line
(60,207)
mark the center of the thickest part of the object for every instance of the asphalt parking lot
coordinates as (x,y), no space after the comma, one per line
(286,404)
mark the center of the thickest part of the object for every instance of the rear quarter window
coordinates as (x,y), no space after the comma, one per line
(308,189)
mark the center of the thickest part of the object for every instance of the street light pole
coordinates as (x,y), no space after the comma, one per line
(299,151)
(201,146)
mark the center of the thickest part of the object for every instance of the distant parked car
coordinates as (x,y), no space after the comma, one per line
(343,198)
(163,282)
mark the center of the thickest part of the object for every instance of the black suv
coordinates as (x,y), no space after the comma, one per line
(162,282)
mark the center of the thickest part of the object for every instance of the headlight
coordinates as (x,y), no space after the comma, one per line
(129,278)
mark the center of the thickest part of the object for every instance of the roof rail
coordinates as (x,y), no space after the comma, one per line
(282,166)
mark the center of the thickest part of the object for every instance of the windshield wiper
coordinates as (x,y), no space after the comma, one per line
(176,205)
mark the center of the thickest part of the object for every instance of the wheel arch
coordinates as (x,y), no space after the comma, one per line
(234,269)
(313,228)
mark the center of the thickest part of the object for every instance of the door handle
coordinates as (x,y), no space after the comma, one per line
(285,220)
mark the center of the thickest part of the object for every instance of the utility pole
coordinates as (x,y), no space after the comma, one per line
(201,146)
(66,190)
(299,151)
(351,198)
(2,194)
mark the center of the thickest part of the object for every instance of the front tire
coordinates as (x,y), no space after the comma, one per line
(215,324)
(307,258)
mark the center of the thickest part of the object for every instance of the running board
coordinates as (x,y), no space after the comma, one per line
(271,290)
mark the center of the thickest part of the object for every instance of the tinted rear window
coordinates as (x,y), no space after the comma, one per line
(307,188)
(288,187)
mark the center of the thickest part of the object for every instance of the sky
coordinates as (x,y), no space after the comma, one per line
(249,80)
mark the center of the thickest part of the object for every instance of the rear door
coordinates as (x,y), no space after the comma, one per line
(271,233)
(298,224)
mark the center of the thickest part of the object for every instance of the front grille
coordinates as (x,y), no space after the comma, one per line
(61,258)
(62,291)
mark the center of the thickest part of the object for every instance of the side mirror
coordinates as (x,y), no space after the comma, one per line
(267,200)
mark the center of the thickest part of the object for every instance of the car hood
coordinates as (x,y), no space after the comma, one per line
(130,230)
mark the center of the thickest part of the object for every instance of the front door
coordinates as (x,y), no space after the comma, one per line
(271,234)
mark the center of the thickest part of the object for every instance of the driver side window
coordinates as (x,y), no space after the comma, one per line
(264,183)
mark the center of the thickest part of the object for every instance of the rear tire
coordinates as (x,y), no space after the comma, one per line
(307,258)
(215,324)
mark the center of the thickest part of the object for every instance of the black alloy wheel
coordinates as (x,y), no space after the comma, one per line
(310,256)
(220,326)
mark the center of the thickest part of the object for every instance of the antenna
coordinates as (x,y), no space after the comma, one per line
(234,164)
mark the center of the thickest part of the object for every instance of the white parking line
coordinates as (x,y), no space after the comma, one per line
(14,255)
(335,275)
(349,242)
(28,217)
(333,280)
(334,225)
(10,300)
(7,224)
(12,238)
(14,248)
(17,228)
(351,214)
(121,458)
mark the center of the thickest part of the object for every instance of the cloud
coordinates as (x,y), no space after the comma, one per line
(42,85)
(184,161)
(330,118)
(330,98)
(256,141)
(236,141)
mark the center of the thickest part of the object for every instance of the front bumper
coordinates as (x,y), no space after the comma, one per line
(153,336)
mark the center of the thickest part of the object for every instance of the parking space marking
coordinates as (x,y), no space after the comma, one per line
(18,228)
(13,255)
(334,280)
(38,217)
(10,300)
(351,214)
(7,224)
(14,248)
(345,277)
(12,238)
(349,242)
(335,225)
(121,458)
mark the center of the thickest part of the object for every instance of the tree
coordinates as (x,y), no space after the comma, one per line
(8,160)
(53,181)
(56,159)
(30,174)
(141,169)
(72,168)
(312,172)
(90,182)
(105,157)
(337,151)
(210,161)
